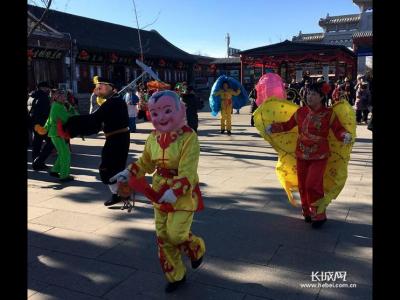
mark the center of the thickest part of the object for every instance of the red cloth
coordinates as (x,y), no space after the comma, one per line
(60,131)
(313,127)
(336,95)
(310,174)
(142,186)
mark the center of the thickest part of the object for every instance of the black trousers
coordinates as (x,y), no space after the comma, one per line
(253,109)
(193,121)
(362,114)
(114,156)
(39,154)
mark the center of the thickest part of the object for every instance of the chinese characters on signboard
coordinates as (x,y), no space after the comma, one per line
(44,53)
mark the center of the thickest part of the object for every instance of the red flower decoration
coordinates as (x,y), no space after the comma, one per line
(114,57)
(83,54)
(325,88)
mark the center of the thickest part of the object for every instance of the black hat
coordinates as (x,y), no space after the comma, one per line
(98,79)
(43,84)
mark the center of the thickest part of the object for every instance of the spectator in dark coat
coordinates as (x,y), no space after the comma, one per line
(192,104)
(253,98)
(363,102)
(39,109)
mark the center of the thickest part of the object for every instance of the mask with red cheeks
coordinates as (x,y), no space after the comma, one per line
(167,112)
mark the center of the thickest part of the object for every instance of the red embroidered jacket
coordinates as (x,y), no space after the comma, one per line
(313,128)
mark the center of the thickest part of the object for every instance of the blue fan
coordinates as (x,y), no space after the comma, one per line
(237,101)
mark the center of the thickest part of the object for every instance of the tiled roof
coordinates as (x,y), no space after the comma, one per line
(309,37)
(340,19)
(95,34)
(362,34)
(228,60)
(288,47)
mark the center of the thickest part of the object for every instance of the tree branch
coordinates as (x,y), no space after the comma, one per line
(155,20)
(41,18)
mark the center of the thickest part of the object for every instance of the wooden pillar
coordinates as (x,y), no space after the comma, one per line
(262,68)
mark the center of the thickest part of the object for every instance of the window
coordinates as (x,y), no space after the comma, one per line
(77,73)
(91,71)
(127,74)
(98,71)
(165,75)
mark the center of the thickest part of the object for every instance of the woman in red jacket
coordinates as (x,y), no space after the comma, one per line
(312,150)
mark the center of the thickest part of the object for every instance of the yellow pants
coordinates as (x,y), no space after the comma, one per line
(174,237)
(226,117)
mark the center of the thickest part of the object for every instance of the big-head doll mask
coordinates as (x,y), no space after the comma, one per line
(167,111)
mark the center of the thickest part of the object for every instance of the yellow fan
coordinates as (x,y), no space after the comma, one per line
(276,110)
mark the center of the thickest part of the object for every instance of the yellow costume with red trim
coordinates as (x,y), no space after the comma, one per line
(226,107)
(174,156)
(292,144)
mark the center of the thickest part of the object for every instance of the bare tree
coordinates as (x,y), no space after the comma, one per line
(155,20)
(47,7)
(143,48)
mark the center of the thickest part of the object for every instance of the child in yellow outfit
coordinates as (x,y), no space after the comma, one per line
(172,150)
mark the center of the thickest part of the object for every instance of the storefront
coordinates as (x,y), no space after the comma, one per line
(294,60)
(47,55)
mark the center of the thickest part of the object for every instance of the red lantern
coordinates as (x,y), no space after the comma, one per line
(161,63)
(83,55)
(113,57)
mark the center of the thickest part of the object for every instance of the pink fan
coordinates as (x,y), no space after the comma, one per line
(270,85)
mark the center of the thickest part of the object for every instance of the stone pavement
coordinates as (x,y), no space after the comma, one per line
(258,246)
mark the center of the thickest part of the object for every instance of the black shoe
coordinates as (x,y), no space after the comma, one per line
(172,286)
(39,167)
(113,200)
(197,263)
(54,174)
(222,131)
(318,224)
(229,132)
(307,219)
(66,179)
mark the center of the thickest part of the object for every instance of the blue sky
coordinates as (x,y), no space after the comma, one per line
(201,25)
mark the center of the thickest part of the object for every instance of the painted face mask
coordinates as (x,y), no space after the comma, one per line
(167,112)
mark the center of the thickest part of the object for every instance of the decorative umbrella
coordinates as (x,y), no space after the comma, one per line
(158,85)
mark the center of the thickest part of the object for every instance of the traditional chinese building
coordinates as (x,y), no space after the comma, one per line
(294,60)
(48,55)
(353,31)
(106,49)
(203,72)
(230,66)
